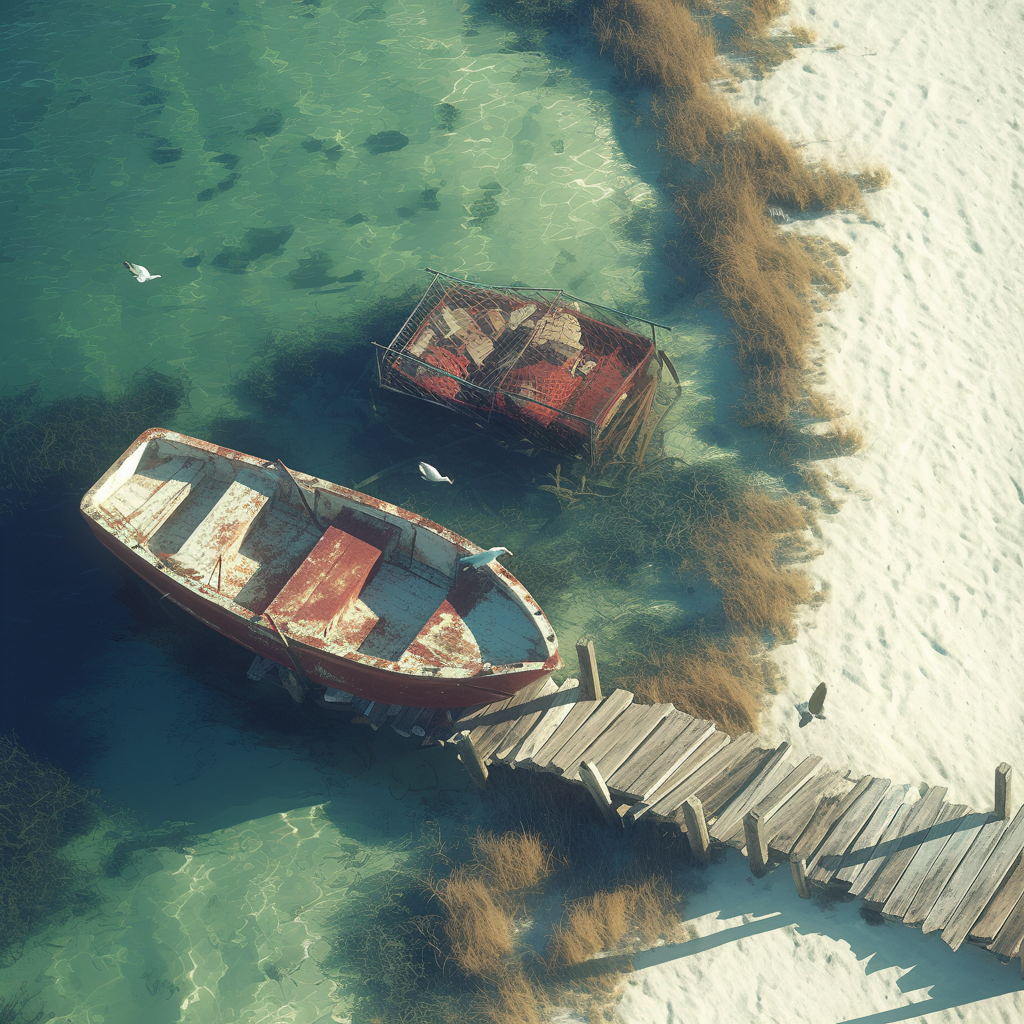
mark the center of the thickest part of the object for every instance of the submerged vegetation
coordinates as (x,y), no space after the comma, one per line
(62,446)
(540,908)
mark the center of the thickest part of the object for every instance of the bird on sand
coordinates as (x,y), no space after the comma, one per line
(140,273)
(428,472)
(813,708)
(483,558)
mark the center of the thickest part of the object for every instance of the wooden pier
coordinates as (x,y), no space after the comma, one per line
(930,864)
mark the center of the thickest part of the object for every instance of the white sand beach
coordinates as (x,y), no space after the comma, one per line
(920,642)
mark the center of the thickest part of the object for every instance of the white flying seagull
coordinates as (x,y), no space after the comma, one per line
(483,558)
(428,472)
(141,274)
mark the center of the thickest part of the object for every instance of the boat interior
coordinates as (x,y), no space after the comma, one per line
(330,572)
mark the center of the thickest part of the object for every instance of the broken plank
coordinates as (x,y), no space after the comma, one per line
(923,814)
(913,877)
(823,821)
(773,801)
(998,910)
(578,714)
(543,700)
(718,793)
(729,823)
(785,828)
(999,864)
(962,879)
(685,784)
(648,768)
(564,701)
(863,847)
(611,709)
(619,742)
(847,829)
(1007,942)
(947,861)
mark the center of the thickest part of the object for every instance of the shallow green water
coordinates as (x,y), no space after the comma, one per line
(224,146)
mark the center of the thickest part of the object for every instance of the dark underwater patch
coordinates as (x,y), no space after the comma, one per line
(138,63)
(312,145)
(386,142)
(164,151)
(447,116)
(270,122)
(257,242)
(227,160)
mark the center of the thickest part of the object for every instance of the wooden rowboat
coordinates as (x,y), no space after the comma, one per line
(345,590)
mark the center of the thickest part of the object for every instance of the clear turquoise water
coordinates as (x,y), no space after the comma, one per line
(222,145)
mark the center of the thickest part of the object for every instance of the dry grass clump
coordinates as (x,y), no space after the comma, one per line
(802,33)
(600,922)
(761,13)
(692,128)
(511,861)
(720,680)
(478,930)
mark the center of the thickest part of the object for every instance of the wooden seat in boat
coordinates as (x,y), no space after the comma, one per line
(224,528)
(323,588)
(168,485)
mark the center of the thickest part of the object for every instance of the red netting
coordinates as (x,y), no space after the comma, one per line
(438,384)
(544,383)
(603,385)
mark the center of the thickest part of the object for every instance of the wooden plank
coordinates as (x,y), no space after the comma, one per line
(565,700)
(487,737)
(729,822)
(785,828)
(377,715)
(1000,863)
(942,868)
(718,792)
(611,709)
(667,799)
(823,820)
(704,752)
(591,778)
(471,760)
(920,865)
(590,680)
(544,700)
(624,737)
(773,801)
(482,714)
(998,910)
(578,714)
(648,768)
(1007,942)
(407,720)
(696,829)
(862,848)
(961,880)
(923,814)
(845,833)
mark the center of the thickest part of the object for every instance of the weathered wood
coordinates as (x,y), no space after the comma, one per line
(639,780)
(593,780)
(774,800)
(682,784)
(999,864)
(479,714)
(666,738)
(1008,939)
(846,830)
(862,848)
(603,718)
(541,702)
(771,772)
(962,879)
(823,820)
(705,751)
(1004,776)
(986,928)
(564,701)
(757,848)
(922,816)
(471,759)
(785,828)
(913,877)
(378,716)
(799,870)
(697,829)
(577,715)
(408,717)
(626,735)
(717,792)
(590,680)
(947,861)
(487,737)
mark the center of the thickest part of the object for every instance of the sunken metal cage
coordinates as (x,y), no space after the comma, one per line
(532,363)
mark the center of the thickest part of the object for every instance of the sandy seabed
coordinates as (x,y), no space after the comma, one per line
(920,642)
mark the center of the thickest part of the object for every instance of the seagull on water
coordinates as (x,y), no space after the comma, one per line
(140,273)
(483,558)
(428,472)
(813,708)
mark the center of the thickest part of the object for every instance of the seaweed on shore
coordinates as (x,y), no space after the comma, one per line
(61,446)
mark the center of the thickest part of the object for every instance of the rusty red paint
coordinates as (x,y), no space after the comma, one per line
(440,666)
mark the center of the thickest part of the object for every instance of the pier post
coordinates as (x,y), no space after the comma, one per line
(590,681)
(1004,776)
(697,829)
(757,848)
(799,869)
(471,759)
(594,781)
